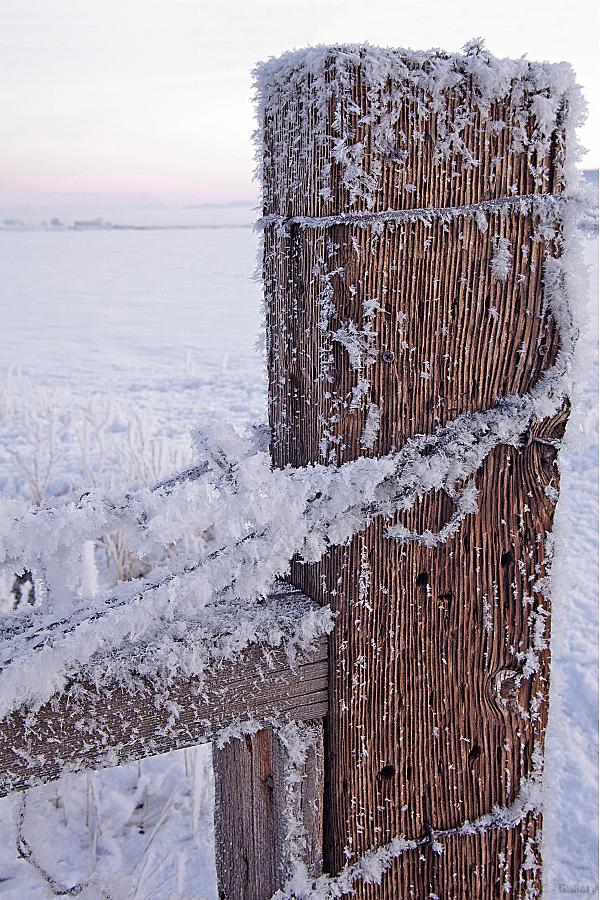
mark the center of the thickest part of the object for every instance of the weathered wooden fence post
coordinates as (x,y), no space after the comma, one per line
(383,325)
(255,806)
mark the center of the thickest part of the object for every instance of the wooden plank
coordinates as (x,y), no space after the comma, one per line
(255,809)
(89,727)
(434,716)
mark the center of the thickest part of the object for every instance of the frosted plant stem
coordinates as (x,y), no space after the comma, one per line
(25,852)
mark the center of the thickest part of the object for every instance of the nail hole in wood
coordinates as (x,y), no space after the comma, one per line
(422,579)
(474,753)
(507,558)
(387,773)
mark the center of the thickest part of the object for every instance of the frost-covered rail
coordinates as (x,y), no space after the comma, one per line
(89,725)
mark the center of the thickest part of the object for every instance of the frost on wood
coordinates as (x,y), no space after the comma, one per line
(443,187)
(372,866)
(501,259)
(371,429)
(89,726)
(358,128)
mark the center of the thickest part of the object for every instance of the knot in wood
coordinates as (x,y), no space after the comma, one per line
(506,687)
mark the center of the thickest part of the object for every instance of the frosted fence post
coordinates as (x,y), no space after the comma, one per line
(258,812)
(383,327)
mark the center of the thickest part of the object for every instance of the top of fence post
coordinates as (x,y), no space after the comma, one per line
(351,128)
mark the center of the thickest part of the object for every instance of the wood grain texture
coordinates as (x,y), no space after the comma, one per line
(90,727)
(459,338)
(254,808)
(439,660)
(409,175)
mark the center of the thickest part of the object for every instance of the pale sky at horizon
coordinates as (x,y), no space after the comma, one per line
(153,98)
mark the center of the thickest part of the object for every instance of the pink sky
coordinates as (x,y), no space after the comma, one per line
(153,98)
(126,186)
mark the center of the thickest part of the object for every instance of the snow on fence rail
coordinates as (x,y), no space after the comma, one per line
(91,725)
(420,270)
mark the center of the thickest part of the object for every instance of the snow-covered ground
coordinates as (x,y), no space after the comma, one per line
(115,343)
(571,764)
(127,337)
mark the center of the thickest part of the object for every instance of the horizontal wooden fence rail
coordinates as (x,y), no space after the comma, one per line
(90,727)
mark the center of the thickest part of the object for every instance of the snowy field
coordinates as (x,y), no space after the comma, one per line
(116,341)
(120,341)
